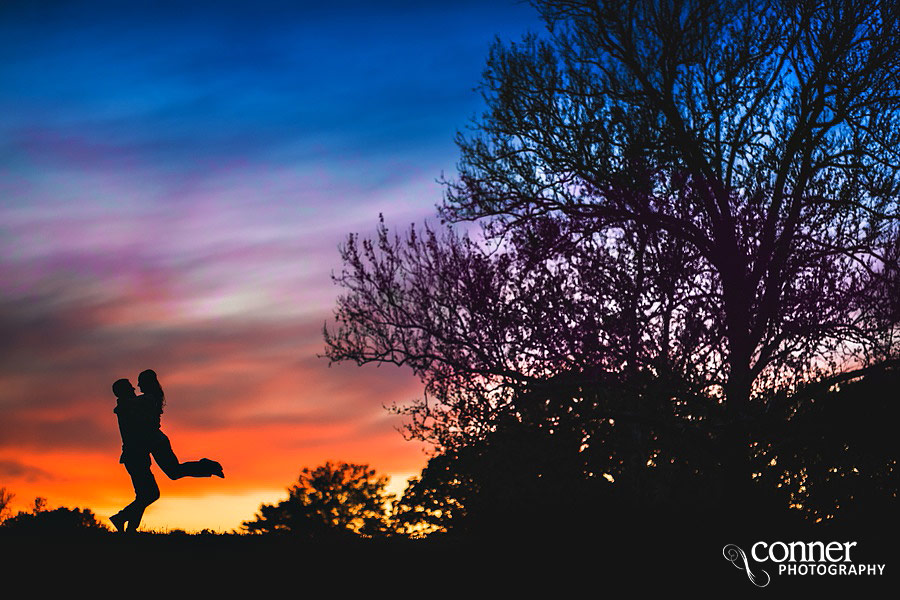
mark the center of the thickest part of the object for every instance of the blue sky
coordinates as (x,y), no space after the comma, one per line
(177,91)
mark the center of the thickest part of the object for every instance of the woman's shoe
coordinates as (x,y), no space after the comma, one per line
(215,468)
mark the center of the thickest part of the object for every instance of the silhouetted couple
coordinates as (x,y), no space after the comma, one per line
(139,424)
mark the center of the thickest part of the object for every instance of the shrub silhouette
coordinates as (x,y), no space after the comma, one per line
(332,500)
(57,521)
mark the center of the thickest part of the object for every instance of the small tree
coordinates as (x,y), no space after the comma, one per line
(39,505)
(6,498)
(332,499)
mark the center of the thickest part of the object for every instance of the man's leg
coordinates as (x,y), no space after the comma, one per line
(146,491)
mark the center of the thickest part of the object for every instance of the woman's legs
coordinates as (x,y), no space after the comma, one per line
(168,462)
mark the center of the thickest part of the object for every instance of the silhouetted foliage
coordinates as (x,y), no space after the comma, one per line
(831,452)
(688,212)
(825,453)
(516,481)
(39,505)
(57,521)
(436,501)
(540,474)
(6,498)
(331,500)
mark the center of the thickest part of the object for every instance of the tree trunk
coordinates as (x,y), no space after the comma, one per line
(737,474)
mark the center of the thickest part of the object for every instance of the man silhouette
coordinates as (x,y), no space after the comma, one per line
(134,421)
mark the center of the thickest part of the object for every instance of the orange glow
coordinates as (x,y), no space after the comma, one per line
(263,441)
(259,466)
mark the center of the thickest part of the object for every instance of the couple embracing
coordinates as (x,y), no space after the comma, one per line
(139,424)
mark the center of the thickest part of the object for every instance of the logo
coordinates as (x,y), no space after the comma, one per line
(797,558)
(739,560)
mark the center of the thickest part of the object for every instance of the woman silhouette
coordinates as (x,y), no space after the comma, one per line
(160,447)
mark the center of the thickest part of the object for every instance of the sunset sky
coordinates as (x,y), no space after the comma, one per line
(175,179)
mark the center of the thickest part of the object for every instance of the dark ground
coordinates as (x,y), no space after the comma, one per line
(612,561)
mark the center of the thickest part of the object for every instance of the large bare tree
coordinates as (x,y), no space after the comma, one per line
(703,191)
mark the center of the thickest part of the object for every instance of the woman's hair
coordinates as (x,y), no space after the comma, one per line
(149,384)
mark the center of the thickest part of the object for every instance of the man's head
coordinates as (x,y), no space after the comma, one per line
(123,389)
